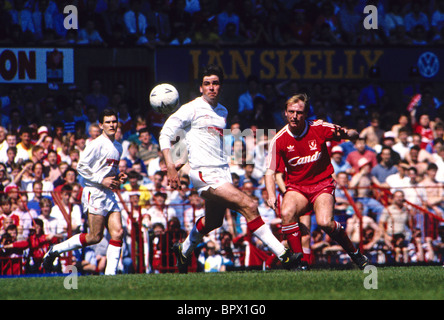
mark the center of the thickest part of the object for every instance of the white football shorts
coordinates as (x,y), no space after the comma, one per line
(204,178)
(99,201)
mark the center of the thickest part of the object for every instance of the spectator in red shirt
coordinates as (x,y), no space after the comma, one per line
(361,152)
(424,128)
(38,243)
(6,208)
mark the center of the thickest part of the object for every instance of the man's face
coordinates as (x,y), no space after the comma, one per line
(26,138)
(37,189)
(38,155)
(6,207)
(210,89)
(398,198)
(424,121)
(403,136)
(159,200)
(109,125)
(52,158)
(295,114)
(65,197)
(157,179)
(432,173)
(70,177)
(11,140)
(360,145)
(11,154)
(337,157)
(342,179)
(386,155)
(134,182)
(22,202)
(144,137)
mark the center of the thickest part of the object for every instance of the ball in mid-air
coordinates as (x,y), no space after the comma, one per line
(164,98)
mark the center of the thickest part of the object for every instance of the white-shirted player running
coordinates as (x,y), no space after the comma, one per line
(202,121)
(98,165)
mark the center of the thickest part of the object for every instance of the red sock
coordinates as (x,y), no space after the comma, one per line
(255,224)
(293,234)
(115,243)
(82,238)
(200,225)
(308,256)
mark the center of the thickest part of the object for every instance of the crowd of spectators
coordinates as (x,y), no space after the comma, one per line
(149,23)
(38,156)
(401,148)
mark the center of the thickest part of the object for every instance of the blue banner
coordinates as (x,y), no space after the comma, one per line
(305,64)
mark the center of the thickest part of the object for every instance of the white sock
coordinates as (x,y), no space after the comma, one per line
(190,243)
(69,244)
(267,237)
(112,259)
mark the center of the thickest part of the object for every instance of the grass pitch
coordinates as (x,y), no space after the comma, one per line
(398,283)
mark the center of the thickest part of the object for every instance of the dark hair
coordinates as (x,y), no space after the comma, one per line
(432,166)
(145,129)
(66,188)
(210,70)
(68,170)
(134,174)
(161,194)
(4,198)
(39,222)
(107,113)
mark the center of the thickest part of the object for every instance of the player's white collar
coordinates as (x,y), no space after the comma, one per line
(302,134)
(209,105)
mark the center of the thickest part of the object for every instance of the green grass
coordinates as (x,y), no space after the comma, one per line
(393,283)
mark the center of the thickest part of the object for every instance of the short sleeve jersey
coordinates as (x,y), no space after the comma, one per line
(304,158)
(202,127)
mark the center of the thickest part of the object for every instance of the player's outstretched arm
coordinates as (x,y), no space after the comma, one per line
(343,133)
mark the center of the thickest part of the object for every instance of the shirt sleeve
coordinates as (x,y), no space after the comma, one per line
(86,163)
(175,123)
(274,157)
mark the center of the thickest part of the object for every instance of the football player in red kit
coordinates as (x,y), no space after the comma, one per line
(299,149)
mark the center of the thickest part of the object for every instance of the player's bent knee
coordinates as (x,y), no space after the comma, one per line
(325,224)
(117,234)
(94,238)
(287,216)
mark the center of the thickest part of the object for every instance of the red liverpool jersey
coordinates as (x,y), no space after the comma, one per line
(305,157)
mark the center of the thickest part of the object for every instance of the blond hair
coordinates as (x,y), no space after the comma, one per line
(296,98)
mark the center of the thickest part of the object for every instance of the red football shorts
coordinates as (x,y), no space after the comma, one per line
(311,192)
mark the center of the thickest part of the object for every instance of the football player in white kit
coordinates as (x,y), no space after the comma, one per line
(98,165)
(201,122)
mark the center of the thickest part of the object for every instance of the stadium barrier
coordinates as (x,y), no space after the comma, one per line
(152,252)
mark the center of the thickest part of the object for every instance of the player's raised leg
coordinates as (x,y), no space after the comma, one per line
(214,215)
(236,200)
(94,235)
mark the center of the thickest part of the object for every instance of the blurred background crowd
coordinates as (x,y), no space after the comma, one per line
(117,23)
(43,132)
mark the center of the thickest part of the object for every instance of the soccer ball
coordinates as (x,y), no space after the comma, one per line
(164,98)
